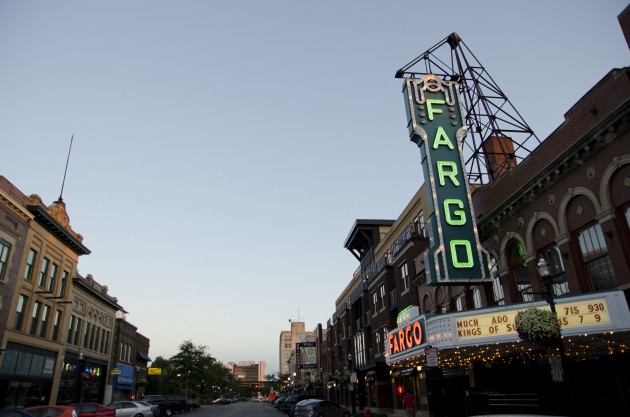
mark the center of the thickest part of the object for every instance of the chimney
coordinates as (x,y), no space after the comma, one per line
(499,155)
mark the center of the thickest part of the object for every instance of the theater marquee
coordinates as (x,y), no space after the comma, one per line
(455,255)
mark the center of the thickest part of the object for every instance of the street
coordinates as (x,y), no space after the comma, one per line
(240,409)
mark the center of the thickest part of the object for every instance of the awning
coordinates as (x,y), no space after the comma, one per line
(143,357)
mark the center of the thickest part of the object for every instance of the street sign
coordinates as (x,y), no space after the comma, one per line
(116,371)
(432,357)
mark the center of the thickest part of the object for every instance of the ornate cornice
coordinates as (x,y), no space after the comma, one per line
(598,138)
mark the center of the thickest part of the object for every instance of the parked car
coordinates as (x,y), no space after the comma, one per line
(13,412)
(294,399)
(320,408)
(191,405)
(221,401)
(51,411)
(280,401)
(180,402)
(88,409)
(131,409)
(168,405)
(154,407)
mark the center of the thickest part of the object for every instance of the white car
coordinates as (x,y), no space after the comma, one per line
(131,409)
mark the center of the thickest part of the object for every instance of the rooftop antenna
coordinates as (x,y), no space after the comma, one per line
(66,170)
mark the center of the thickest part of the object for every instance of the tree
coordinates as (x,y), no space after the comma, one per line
(192,372)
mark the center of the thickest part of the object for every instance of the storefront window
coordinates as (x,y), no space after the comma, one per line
(27,372)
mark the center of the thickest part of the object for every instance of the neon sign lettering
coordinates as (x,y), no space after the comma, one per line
(405,338)
(455,255)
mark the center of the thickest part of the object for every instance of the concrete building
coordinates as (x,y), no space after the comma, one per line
(248,371)
(287,344)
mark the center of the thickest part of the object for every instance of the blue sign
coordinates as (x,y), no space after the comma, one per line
(125,379)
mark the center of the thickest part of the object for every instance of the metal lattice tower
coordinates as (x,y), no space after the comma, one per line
(498,137)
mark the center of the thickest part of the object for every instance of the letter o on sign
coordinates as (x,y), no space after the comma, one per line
(417,333)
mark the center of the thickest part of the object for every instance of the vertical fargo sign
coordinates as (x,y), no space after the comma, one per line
(434,116)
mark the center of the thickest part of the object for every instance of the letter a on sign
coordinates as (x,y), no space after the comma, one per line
(455,255)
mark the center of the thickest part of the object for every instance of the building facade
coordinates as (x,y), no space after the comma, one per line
(456,346)
(34,338)
(89,344)
(60,332)
(287,344)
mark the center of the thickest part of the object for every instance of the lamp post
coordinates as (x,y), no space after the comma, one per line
(547,278)
(351,385)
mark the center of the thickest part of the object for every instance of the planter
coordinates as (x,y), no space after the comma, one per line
(539,328)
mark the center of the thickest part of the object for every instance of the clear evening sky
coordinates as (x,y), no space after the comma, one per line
(223,149)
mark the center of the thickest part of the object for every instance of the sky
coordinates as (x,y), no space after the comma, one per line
(223,149)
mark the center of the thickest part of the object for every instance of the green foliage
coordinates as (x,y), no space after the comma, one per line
(537,325)
(192,372)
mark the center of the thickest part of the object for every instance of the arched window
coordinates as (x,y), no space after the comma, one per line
(556,267)
(427,305)
(497,288)
(443,300)
(596,259)
(518,269)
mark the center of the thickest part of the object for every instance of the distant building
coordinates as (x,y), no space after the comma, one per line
(287,345)
(248,371)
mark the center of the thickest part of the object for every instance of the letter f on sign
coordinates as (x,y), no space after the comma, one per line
(431,110)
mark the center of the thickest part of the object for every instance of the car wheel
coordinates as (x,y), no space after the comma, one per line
(138,415)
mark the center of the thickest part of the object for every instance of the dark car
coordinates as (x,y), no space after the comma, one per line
(168,406)
(13,412)
(279,401)
(294,399)
(221,401)
(320,408)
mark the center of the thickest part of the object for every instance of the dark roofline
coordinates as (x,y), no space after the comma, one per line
(363,223)
(49,223)
(80,281)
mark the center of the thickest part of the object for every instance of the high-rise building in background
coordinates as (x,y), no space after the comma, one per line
(248,371)
(288,341)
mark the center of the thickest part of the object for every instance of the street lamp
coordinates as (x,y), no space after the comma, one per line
(547,278)
(351,385)
(545,274)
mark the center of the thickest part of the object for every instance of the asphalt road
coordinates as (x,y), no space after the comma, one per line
(239,409)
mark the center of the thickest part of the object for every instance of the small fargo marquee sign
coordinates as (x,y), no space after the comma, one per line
(434,115)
